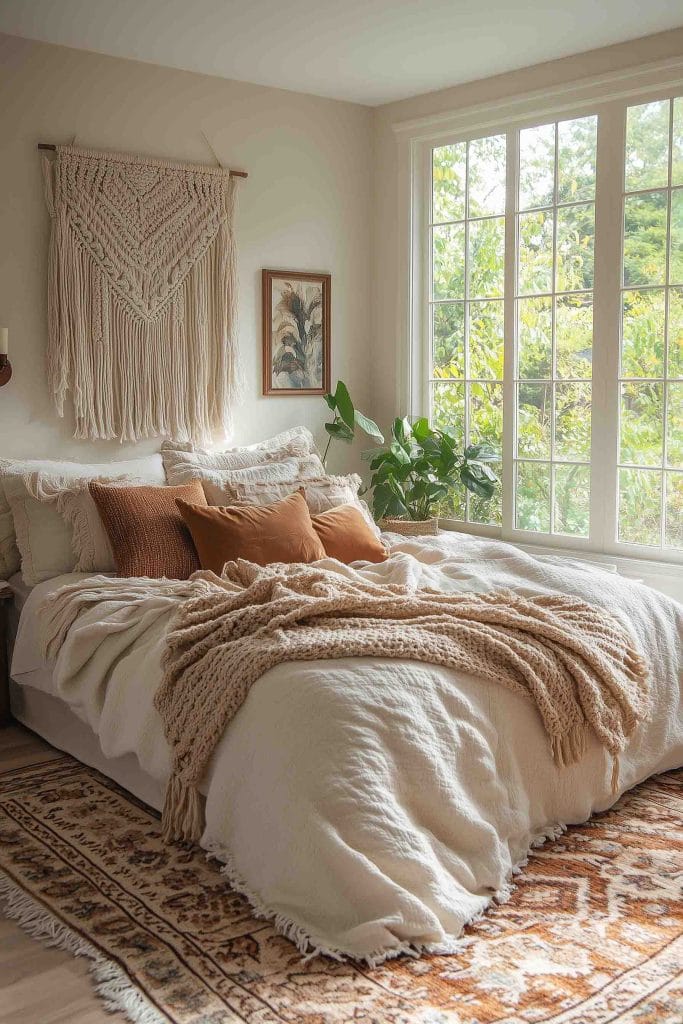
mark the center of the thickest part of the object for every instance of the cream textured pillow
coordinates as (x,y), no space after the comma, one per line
(89,541)
(322,493)
(45,537)
(286,471)
(180,458)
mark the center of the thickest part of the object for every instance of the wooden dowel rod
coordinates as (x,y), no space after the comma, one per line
(233,174)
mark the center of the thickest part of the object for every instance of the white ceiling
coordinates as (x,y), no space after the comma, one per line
(367,51)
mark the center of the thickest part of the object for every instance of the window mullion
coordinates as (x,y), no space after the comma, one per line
(510,328)
(606,325)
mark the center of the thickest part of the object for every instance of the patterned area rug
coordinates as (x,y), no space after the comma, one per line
(593,932)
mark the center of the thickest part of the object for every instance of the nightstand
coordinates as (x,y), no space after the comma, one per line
(6,597)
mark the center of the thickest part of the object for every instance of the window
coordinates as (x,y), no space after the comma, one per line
(651,363)
(523,325)
(466,305)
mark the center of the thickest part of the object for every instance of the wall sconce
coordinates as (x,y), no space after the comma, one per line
(5,365)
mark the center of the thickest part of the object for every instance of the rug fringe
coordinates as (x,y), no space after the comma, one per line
(310,946)
(111,983)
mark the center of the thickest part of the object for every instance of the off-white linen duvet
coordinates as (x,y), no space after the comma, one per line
(373,807)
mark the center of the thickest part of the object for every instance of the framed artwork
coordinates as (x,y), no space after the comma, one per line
(296,333)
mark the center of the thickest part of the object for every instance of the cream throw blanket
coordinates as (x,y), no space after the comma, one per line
(578,665)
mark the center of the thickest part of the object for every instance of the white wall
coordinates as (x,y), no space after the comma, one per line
(306,205)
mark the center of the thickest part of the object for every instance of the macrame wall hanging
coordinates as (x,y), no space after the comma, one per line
(141,295)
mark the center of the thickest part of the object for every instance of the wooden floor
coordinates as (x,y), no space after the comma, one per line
(39,985)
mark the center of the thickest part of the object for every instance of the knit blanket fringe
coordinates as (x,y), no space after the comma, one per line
(578,664)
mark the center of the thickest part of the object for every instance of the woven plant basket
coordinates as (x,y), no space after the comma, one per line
(411,527)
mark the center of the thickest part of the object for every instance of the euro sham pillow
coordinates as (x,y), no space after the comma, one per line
(321,493)
(283,471)
(147,533)
(346,536)
(281,532)
(34,536)
(182,459)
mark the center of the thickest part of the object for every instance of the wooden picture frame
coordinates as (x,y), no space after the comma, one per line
(296,332)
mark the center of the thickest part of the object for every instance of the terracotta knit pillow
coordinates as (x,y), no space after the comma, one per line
(347,537)
(146,531)
(281,532)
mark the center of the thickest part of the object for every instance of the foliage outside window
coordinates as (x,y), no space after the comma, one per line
(551,314)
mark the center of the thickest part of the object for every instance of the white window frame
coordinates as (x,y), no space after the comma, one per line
(607,97)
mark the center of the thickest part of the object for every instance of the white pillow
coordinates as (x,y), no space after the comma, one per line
(179,456)
(285,471)
(322,493)
(90,545)
(46,538)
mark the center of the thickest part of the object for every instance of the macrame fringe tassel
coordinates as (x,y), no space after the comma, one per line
(172,373)
(183,815)
(112,984)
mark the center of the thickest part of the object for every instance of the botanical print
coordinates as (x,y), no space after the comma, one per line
(296,333)
(592,931)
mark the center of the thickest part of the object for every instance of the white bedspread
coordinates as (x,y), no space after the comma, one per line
(373,807)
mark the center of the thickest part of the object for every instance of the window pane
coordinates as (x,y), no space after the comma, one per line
(486,415)
(676,332)
(572,421)
(577,141)
(642,423)
(535,338)
(532,497)
(449,262)
(677,155)
(674,425)
(645,239)
(486,183)
(448,182)
(647,145)
(448,339)
(535,253)
(453,506)
(575,243)
(640,506)
(642,346)
(674,510)
(534,409)
(448,408)
(487,257)
(536,166)
(486,329)
(676,253)
(574,335)
(488,512)
(572,500)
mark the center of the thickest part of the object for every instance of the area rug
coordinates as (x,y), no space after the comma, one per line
(593,932)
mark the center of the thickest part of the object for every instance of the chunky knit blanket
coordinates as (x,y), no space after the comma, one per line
(577,664)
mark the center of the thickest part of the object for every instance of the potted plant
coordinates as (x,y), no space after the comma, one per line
(420,468)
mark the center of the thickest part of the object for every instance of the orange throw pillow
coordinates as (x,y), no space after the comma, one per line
(281,532)
(146,531)
(347,537)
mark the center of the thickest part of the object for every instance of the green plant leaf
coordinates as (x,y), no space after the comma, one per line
(345,405)
(421,429)
(369,426)
(331,401)
(475,483)
(339,431)
(399,453)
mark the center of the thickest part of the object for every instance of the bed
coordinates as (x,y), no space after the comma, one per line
(369,807)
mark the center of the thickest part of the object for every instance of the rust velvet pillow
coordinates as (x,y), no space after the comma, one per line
(281,532)
(147,533)
(346,536)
